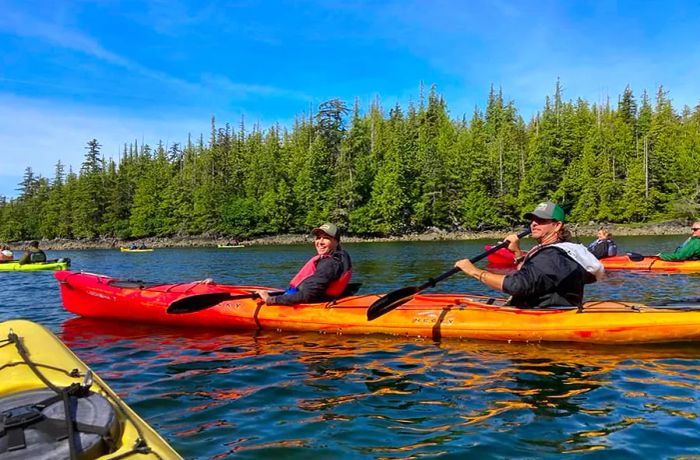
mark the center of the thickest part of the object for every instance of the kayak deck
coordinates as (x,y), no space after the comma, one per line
(24,342)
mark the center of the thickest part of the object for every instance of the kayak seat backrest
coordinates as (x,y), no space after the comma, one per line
(34,425)
(351,289)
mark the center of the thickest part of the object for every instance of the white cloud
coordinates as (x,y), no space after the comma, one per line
(38,134)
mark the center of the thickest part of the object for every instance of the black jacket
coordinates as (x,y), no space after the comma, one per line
(313,288)
(547,278)
(603,248)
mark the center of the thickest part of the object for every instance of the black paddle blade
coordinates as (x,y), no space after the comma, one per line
(390,301)
(199,302)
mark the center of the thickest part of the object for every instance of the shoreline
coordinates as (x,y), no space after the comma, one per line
(579,232)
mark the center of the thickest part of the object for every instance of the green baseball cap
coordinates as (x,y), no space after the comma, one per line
(547,210)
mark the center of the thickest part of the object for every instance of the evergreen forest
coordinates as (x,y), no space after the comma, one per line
(375,171)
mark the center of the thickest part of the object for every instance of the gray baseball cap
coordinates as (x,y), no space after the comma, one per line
(328,229)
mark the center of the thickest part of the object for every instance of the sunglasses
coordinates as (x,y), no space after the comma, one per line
(542,221)
(695,229)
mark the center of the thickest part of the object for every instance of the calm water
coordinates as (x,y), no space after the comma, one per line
(217,395)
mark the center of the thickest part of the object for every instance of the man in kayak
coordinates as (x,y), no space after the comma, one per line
(33,254)
(689,250)
(604,246)
(324,277)
(553,273)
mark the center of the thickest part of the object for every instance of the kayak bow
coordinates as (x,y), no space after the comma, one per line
(38,375)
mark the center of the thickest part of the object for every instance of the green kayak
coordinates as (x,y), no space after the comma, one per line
(60,264)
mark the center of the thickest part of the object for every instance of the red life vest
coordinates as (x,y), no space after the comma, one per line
(334,289)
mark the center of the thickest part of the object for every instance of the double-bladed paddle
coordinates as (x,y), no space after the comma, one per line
(197,302)
(400,296)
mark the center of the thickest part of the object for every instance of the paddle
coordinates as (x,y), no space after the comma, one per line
(199,302)
(400,296)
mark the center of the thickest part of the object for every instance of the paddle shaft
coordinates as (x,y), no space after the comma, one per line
(433,281)
(400,296)
(197,302)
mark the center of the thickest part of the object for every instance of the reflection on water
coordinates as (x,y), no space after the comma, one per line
(215,394)
(310,394)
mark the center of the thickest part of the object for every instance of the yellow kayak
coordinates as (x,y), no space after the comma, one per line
(60,264)
(38,376)
(123,249)
(230,246)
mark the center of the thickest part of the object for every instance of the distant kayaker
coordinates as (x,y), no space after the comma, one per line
(5,253)
(33,254)
(689,250)
(553,273)
(604,246)
(324,277)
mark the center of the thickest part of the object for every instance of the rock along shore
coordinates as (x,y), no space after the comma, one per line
(586,232)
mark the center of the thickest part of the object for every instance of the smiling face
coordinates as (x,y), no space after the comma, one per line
(325,244)
(545,231)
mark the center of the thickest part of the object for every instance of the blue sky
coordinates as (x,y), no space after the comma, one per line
(152,70)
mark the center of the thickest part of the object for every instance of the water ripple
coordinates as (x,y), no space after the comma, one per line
(217,395)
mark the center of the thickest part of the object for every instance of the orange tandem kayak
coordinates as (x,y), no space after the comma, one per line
(428,315)
(650,263)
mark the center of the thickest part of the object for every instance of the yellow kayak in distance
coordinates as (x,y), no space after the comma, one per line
(230,246)
(39,376)
(60,264)
(123,249)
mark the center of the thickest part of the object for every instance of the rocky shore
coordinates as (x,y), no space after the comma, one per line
(579,231)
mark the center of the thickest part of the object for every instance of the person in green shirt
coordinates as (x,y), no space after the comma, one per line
(689,250)
(33,254)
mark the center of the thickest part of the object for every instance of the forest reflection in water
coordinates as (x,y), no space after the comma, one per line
(387,396)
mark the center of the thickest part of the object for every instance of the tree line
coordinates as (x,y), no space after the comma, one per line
(380,172)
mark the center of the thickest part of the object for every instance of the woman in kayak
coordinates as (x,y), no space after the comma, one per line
(604,246)
(689,250)
(324,277)
(553,273)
